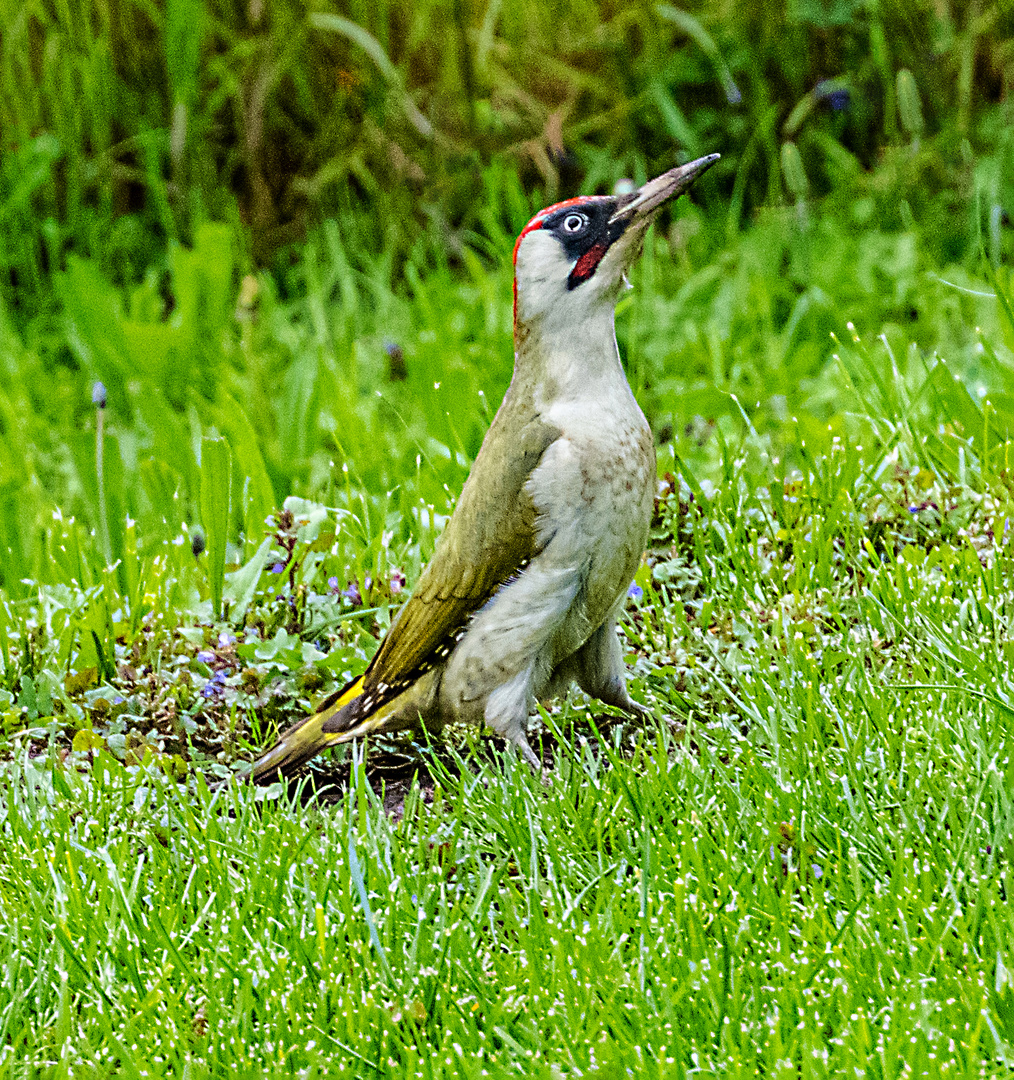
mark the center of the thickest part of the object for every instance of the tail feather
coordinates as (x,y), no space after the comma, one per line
(335,722)
(305,739)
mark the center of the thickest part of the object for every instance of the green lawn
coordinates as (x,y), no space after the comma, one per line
(802,866)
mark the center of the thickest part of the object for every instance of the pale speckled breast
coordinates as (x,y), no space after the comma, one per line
(594,491)
(621,483)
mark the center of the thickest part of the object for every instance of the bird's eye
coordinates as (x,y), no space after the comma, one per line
(573,223)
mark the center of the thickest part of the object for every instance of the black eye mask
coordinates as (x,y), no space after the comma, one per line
(585,246)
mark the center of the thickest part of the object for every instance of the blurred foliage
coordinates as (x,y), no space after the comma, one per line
(125,125)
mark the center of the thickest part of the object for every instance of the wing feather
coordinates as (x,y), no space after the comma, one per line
(490,537)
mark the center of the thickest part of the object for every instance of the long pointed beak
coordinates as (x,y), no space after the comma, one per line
(664,187)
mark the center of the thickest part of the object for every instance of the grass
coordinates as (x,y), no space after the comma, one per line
(802,866)
(126,126)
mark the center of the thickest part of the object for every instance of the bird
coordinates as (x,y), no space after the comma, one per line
(532,570)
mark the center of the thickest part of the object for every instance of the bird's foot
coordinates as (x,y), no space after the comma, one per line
(635,708)
(523,747)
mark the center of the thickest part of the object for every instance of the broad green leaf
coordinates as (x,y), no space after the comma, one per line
(216,485)
(241,584)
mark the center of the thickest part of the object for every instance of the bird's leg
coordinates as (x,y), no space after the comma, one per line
(506,713)
(598,668)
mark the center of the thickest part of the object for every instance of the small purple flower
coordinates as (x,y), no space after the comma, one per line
(209,690)
(397,582)
(333,586)
(99,396)
(914,509)
(225,639)
(838,97)
(206,656)
(635,592)
(277,568)
(119,699)
(219,677)
(352,593)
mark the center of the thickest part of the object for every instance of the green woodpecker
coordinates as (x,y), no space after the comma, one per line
(524,588)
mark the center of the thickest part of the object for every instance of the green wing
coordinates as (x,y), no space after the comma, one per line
(490,537)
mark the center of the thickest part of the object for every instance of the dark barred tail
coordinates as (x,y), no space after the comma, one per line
(302,741)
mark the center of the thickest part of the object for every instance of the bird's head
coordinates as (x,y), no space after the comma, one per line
(573,256)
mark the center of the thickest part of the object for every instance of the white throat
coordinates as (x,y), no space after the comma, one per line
(565,338)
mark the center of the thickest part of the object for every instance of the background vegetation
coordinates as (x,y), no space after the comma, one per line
(254,319)
(154,155)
